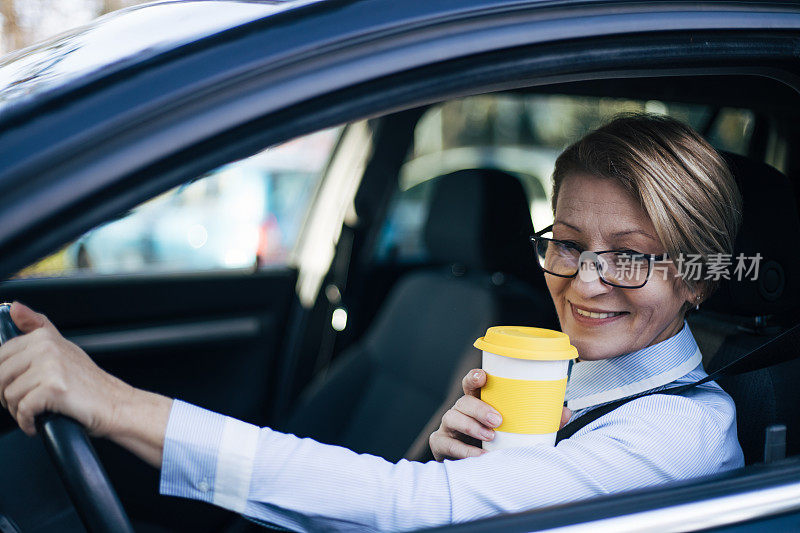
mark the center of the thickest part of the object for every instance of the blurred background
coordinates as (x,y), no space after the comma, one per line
(249,214)
(25,22)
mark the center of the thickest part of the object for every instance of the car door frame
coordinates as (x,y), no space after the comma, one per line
(741,497)
(147,157)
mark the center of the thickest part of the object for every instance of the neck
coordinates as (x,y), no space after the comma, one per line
(672,329)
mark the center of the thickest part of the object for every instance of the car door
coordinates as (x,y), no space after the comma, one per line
(751,499)
(189,293)
(171,333)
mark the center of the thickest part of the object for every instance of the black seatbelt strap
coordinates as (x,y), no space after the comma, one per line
(584,420)
(779,349)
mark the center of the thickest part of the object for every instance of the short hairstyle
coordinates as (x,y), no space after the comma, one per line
(681,181)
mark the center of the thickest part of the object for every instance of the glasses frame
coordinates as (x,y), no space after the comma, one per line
(536,237)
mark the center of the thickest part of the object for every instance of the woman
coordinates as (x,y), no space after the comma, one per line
(641,185)
(697,214)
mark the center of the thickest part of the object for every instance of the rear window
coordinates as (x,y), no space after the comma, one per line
(521,134)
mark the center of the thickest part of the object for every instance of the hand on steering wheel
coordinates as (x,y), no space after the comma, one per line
(65,439)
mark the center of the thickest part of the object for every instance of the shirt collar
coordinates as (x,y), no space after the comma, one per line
(596,382)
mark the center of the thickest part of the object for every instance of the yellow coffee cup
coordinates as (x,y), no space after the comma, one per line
(526,380)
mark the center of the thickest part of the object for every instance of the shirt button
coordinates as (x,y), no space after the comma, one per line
(203,486)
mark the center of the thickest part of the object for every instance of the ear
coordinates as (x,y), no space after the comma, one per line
(691,295)
(696,300)
(695,296)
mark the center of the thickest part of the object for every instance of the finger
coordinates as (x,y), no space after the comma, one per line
(11,369)
(12,347)
(473,381)
(444,447)
(27,319)
(455,421)
(33,404)
(566,414)
(479,410)
(15,392)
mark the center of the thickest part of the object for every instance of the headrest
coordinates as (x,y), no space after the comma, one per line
(770,227)
(480,218)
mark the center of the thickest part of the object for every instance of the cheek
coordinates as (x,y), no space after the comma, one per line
(645,303)
(557,287)
(656,300)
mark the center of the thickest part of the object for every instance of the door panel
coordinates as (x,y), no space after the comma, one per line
(173,334)
(208,339)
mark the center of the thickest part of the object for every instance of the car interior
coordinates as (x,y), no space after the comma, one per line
(437,253)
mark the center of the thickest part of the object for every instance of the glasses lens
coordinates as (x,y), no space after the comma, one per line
(624,268)
(556,257)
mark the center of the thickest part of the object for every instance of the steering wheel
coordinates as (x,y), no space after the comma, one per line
(76,461)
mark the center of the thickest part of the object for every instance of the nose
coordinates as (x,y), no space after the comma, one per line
(587,283)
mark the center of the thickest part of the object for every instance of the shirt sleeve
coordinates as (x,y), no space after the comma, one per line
(305,485)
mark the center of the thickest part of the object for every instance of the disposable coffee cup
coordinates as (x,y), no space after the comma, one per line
(526,380)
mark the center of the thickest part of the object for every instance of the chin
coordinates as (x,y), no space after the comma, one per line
(590,350)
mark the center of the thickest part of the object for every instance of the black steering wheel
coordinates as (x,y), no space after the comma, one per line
(77,464)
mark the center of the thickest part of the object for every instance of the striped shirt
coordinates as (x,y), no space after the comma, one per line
(304,485)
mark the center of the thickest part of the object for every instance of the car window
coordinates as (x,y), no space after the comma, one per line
(243,215)
(521,134)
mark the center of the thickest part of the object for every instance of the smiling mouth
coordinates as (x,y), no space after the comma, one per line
(595,314)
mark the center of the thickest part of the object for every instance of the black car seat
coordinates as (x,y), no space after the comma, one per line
(742,315)
(379,394)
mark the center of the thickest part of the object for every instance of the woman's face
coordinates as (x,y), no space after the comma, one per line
(599,214)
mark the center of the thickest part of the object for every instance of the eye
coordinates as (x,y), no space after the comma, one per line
(570,244)
(631,255)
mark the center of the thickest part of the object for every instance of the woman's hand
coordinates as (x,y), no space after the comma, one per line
(469,422)
(41,371)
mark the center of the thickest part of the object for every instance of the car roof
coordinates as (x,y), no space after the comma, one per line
(131,39)
(123,38)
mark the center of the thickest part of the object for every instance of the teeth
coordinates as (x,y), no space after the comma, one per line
(595,315)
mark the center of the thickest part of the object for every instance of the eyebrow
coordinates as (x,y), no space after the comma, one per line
(616,234)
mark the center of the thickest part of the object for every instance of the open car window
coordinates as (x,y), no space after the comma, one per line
(244,215)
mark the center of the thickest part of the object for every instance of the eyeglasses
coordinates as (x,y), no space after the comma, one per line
(626,269)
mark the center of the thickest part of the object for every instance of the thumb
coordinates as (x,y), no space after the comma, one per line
(27,319)
(473,381)
(566,414)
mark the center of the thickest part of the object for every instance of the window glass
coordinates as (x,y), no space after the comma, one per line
(522,134)
(242,215)
(731,130)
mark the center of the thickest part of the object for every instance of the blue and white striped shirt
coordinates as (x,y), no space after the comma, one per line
(304,485)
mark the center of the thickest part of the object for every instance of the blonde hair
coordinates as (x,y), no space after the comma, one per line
(681,181)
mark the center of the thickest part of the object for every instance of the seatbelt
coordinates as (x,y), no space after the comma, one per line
(779,349)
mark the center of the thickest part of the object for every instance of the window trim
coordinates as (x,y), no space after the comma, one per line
(749,493)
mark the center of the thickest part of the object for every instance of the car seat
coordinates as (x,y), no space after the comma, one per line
(381,392)
(742,315)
